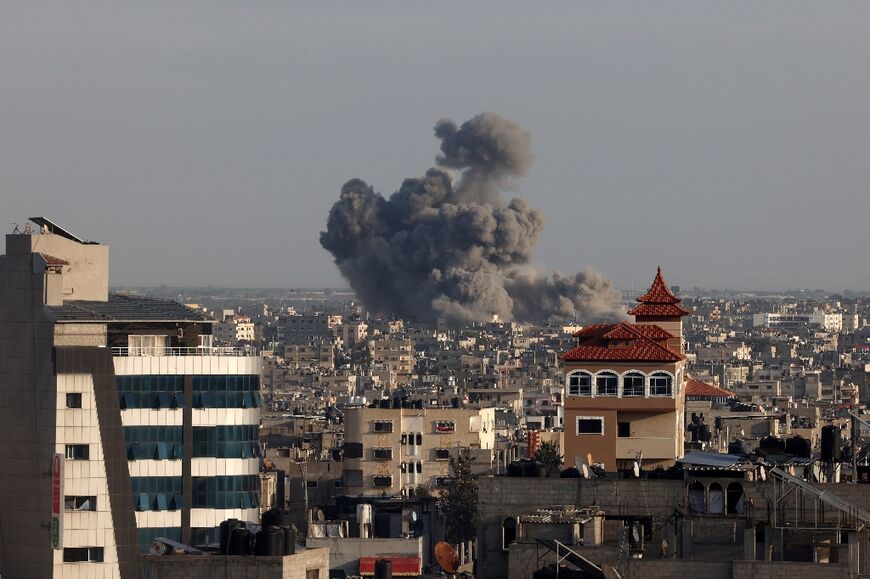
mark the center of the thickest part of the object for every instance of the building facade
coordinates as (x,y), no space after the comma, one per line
(396,450)
(624,393)
(120,420)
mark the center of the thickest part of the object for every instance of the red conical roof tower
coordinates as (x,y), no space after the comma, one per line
(659,303)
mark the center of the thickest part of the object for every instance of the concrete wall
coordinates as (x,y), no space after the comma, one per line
(345,553)
(236,567)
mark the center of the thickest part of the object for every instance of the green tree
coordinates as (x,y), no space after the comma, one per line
(458,502)
(549,457)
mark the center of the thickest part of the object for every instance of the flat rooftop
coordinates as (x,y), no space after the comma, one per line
(126,308)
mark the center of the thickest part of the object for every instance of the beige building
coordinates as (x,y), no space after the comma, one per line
(396,450)
(235,329)
(310,356)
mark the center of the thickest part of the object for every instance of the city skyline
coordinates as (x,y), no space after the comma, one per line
(725,143)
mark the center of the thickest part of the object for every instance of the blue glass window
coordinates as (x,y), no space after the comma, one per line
(222,391)
(226,492)
(153,442)
(150,391)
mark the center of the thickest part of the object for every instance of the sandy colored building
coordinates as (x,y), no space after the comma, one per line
(396,450)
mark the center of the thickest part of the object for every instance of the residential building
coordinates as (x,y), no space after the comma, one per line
(624,386)
(113,409)
(395,450)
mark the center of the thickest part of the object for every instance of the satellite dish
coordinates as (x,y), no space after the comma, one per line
(636,469)
(762,473)
(584,470)
(635,534)
(446,556)
(413,516)
(320,516)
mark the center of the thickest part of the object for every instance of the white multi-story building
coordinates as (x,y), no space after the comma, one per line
(235,329)
(120,420)
(830,322)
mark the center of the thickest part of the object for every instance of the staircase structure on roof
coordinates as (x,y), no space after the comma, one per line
(800,505)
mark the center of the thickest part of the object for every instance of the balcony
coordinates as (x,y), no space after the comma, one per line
(652,447)
(191,351)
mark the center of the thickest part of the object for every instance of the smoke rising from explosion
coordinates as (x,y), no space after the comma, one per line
(455,249)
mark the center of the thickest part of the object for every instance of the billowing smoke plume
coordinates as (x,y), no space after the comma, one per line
(455,249)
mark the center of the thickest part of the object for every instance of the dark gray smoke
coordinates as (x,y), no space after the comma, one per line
(455,250)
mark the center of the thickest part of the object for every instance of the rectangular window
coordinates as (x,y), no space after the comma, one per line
(382,481)
(73,503)
(607,384)
(312,574)
(83,555)
(623,429)
(382,453)
(77,451)
(74,400)
(445,426)
(442,454)
(660,385)
(590,425)
(580,385)
(383,426)
(632,385)
(312,484)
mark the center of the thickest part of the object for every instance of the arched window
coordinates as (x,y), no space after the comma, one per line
(660,384)
(735,500)
(580,384)
(632,384)
(607,384)
(717,499)
(508,532)
(697,502)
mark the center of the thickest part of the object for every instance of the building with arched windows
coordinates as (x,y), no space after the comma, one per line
(624,386)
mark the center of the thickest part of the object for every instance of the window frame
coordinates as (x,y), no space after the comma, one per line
(633,375)
(579,389)
(653,378)
(577,420)
(69,451)
(607,375)
(73,396)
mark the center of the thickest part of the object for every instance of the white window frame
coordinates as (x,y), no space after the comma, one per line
(574,389)
(658,375)
(607,374)
(643,385)
(577,425)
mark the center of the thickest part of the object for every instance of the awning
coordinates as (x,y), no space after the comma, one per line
(403,565)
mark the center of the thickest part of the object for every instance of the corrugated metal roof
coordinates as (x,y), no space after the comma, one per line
(126,308)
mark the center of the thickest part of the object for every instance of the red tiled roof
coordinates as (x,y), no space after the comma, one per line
(642,345)
(659,292)
(640,351)
(52,260)
(698,388)
(658,310)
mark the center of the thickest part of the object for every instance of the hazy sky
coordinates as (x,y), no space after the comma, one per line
(205,140)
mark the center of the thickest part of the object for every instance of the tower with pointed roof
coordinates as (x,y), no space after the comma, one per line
(624,386)
(659,306)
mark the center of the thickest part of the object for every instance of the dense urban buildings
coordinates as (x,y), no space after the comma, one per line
(703,432)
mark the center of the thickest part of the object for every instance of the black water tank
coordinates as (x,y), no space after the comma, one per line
(270,542)
(240,542)
(704,433)
(736,447)
(830,443)
(226,530)
(418,404)
(454,402)
(533,469)
(289,541)
(516,469)
(382,525)
(397,402)
(383,569)
(772,443)
(570,472)
(385,403)
(798,446)
(271,517)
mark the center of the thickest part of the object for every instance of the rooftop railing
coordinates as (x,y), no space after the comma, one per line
(186,351)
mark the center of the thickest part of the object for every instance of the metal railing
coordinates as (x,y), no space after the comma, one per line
(186,351)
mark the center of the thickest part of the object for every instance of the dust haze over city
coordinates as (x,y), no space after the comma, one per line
(536,291)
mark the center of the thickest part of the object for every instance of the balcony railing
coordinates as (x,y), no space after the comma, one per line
(193,351)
